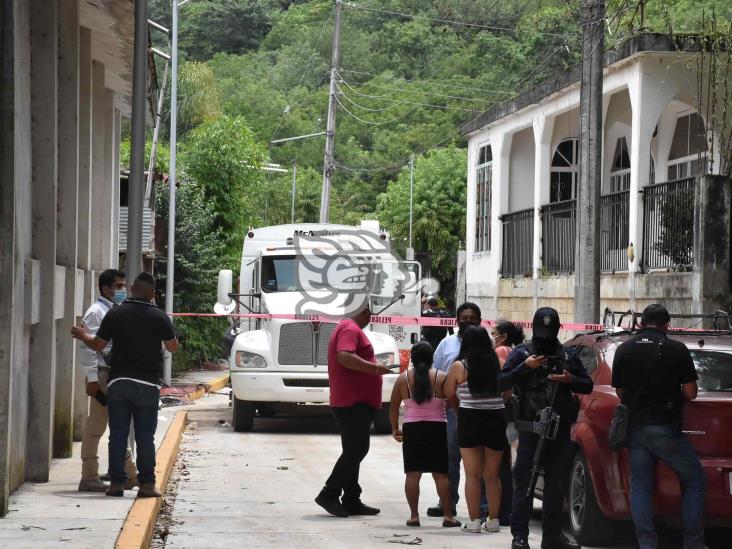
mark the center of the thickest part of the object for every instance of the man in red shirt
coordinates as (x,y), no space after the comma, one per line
(355,394)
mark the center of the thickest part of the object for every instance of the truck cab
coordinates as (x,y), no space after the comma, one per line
(297,281)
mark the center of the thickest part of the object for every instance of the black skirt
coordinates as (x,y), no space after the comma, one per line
(425,447)
(482,428)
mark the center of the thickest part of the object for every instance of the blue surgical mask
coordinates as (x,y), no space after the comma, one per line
(119,296)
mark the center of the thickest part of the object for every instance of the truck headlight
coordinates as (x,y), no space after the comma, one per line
(246,359)
(386,359)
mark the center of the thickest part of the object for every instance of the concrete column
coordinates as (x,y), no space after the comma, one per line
(99,188)
(501,146)
(712,226)
(543,132)
(107,192)
(649,95)
(44,150)
(84,233)
(15,241)
(115,187)
(66,252)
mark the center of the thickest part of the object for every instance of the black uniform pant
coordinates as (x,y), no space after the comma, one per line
(354,426)
(557,462)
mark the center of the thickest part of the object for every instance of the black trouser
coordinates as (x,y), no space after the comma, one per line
(557,459)
(354,426)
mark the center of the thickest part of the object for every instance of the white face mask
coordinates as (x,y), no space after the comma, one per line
(119,296)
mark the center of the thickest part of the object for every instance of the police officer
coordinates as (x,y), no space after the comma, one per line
(528,370)
(434,334)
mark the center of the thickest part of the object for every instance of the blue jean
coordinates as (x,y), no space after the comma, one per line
(130,401)
(648,444)
(453,457)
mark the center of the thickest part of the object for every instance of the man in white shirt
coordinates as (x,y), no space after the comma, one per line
(112,291)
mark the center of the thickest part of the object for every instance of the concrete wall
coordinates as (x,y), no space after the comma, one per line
(521,171)
(49,208)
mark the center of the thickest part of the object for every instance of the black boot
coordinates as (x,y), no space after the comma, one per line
(560,541)
(437,511)
(520,542)
(331,503)
(357,507)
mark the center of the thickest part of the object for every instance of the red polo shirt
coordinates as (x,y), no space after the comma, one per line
(348,387)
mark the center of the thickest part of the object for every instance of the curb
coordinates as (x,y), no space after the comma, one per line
(138,528)
(209,387)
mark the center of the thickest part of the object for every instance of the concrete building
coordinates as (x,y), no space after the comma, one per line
(523,176)
(66,85)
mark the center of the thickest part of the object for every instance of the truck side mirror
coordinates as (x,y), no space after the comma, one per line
(224,305)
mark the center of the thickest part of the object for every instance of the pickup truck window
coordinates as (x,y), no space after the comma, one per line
(714,368)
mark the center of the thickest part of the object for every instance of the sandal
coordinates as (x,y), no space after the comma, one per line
(414,523)
(451,523)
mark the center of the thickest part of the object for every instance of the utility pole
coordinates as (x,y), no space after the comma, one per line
(133,264)
(328,162)
(294,189)
(410,249)
(170,272)
(588,245)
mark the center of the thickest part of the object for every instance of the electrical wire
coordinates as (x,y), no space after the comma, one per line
(381,123)
(366,108)
(438,20)
(405,102)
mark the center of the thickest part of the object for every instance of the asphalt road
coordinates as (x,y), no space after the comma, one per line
(256,489)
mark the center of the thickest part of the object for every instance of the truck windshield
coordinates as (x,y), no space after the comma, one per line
(714,368)
(279,274)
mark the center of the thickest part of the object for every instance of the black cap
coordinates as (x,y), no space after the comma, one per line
(546,323)
(432,301)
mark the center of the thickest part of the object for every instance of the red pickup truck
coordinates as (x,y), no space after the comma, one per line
(599,482)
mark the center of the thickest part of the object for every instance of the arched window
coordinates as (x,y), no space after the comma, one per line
(484,188)
(688,154)
(620,171)
(564,171)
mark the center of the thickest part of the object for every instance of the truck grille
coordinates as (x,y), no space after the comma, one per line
(296,343)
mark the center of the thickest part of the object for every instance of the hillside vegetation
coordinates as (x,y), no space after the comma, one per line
(411,72)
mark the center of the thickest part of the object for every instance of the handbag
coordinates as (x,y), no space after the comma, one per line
(619,434)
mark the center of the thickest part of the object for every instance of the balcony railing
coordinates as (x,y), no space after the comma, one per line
(518,243)
(614,231)
(668,225)
(558,242)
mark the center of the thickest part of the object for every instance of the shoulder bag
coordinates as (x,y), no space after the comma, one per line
(619,435)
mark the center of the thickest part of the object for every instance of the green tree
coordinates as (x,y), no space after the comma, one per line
(200,252)
(199,98)
(439,207)
(222,157)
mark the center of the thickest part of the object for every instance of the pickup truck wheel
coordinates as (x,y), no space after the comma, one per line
(243,415)
(382,423)
(589,526)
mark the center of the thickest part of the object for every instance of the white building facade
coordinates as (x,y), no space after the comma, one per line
(523,175)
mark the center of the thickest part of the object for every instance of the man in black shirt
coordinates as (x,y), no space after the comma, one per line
(653,376)
(136,329)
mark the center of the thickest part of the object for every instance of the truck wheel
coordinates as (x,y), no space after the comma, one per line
(243,415)
(382,423)
(589,526)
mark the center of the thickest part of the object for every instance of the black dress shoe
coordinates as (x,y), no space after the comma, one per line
(331,504)
(520,542)
(357,507)
(437,511)
(561,541)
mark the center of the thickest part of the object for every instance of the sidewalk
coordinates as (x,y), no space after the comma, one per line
(55,514)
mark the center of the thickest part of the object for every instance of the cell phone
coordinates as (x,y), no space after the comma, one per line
(101,398)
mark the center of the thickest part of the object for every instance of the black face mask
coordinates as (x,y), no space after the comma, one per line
(546,346)
(462,326)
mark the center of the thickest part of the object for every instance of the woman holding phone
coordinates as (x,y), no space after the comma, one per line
(424,430)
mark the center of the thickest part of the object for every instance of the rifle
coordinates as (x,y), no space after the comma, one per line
(546,426)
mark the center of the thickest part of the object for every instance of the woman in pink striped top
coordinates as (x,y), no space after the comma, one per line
(424,430)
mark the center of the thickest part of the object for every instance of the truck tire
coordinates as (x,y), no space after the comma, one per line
(382,423)
(589,526)
(243,415)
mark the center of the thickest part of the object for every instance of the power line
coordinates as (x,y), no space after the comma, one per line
(438,20)
(405,102)
(429,82)
(482,101)
(352,102)
(345,109)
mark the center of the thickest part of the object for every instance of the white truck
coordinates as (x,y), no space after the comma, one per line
(305,269)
